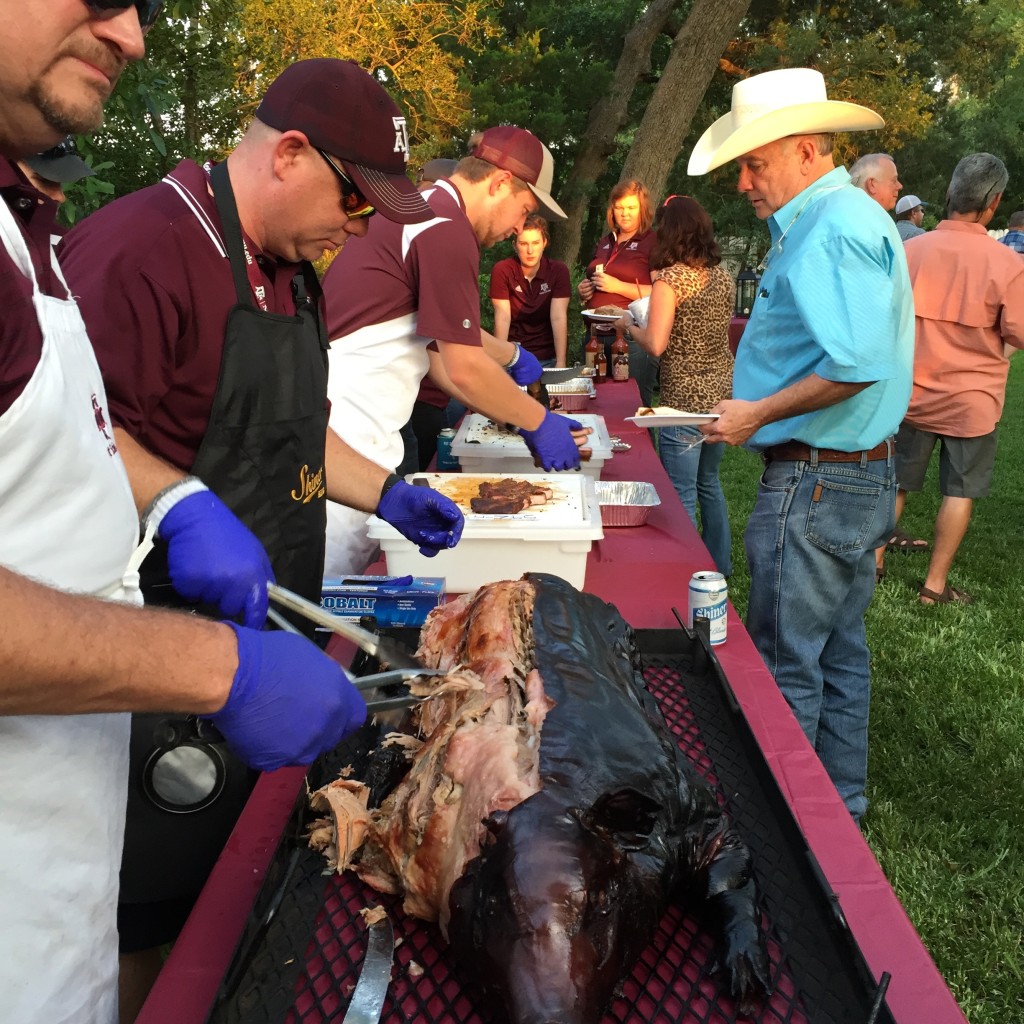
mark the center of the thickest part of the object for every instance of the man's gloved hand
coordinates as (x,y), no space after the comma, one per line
(288,703)
(552,442)
(213,557)
(525,367)
(422,515)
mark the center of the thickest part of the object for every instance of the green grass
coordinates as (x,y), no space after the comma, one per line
(946,761)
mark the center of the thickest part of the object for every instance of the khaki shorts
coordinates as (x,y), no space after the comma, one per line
(965,463)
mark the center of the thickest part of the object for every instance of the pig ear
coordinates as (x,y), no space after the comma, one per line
(627,814)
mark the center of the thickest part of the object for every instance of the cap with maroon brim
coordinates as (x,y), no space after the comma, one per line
(521,153)
(346,113)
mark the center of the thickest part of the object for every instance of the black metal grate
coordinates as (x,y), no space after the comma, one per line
(302,949)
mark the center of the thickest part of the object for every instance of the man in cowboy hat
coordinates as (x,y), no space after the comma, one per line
(821,383)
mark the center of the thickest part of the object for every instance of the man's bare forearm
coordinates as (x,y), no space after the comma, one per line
(352,479)
(148,474)
(67,654)
(739,420)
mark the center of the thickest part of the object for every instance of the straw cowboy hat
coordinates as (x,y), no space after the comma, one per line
(771,106)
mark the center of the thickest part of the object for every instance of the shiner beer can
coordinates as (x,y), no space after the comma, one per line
(708,599)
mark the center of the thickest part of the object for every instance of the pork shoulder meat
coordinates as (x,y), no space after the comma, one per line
(549,817)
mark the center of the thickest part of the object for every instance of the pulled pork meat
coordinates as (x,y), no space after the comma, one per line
(478,753)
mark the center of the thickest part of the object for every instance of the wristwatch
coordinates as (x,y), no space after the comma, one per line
(628,335)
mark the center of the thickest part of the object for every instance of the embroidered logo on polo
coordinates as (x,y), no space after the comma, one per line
(544,287)
(401,137)
(311,486)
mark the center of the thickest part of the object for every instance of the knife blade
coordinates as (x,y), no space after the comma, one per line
(374,976)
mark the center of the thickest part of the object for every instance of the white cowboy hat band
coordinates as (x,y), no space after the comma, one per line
(772,106)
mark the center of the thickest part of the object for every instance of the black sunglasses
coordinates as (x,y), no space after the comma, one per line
(353,202)
(149,10)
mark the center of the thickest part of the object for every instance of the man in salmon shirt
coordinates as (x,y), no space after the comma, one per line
(969,318)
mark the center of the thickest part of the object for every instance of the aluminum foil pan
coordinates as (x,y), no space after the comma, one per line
(626,502)
(573,395)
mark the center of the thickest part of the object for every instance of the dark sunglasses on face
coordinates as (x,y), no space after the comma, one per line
(353,202)
(149,10)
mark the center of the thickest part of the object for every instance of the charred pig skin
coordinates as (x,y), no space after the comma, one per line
(571,883)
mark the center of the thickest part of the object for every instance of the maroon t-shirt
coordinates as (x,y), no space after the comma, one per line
(530,301)
(428,269)
(154,285)
(628,261)
(21,340)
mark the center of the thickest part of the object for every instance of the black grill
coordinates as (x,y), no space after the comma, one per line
(302,948)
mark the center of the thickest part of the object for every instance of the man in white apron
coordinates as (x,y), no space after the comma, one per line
(71,663)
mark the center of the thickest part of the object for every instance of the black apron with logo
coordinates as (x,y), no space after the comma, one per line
(263,455)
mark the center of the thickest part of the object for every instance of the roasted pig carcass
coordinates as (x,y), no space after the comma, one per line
(508,496)
(548,817)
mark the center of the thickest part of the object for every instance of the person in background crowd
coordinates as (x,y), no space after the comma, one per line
(619,272)
(430,411)
(1014,237)
(54,168)
(208,326)
(530,295)
(909,215)
(820,384)
(688,328)
(405,302)
(75,655)
(969,312)
(876,174)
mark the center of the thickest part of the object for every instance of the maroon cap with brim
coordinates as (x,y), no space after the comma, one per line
(343,111)
(521,153)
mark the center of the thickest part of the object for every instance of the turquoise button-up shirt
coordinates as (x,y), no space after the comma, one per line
(834,300)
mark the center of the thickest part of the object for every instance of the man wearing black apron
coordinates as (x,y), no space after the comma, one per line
(215,357)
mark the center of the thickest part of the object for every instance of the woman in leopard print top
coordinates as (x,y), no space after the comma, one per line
(688,326)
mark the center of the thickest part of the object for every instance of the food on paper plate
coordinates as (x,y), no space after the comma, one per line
(608,311)
(548,816)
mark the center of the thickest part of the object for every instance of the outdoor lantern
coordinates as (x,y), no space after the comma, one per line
(746,291)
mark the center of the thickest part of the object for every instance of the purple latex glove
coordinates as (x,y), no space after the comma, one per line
(552,442)
(288,703)
(213,557)
(526,367)
(426,517)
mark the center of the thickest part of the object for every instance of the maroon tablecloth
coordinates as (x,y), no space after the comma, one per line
(644,571)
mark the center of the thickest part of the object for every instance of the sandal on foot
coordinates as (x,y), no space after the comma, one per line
(901,541)
(948,595)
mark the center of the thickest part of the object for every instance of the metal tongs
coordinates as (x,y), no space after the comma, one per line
(404,666)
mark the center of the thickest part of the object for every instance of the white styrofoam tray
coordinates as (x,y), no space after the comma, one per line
(481,446)
(554,537)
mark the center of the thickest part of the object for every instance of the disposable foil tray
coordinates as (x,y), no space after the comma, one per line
(626,502)
(302,948)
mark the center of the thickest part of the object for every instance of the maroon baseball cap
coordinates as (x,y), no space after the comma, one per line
(521,153)
(343,111)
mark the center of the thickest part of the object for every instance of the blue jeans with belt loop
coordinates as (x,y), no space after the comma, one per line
(694,475)
(810,545)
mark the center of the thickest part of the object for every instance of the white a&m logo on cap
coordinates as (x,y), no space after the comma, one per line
(401,137)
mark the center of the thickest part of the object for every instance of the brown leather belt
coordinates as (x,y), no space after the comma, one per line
(797,451)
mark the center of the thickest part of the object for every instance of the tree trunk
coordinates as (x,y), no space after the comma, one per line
(606,118)
(694,58)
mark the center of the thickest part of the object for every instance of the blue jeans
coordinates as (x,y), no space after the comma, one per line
(694,475)
(810,544)
(643,368)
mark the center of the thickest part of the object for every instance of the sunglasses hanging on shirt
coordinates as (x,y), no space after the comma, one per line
(149,10)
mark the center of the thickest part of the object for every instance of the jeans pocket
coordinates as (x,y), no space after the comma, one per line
(841,515)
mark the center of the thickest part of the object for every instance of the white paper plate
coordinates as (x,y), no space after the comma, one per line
(673,418)
(606,318)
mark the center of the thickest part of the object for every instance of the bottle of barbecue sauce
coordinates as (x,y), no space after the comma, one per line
(620,358)
(590,350)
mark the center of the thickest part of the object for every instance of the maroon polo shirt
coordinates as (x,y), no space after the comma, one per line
(628,261)
(154,284)
(429,269)
(530,301)
(21,340)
